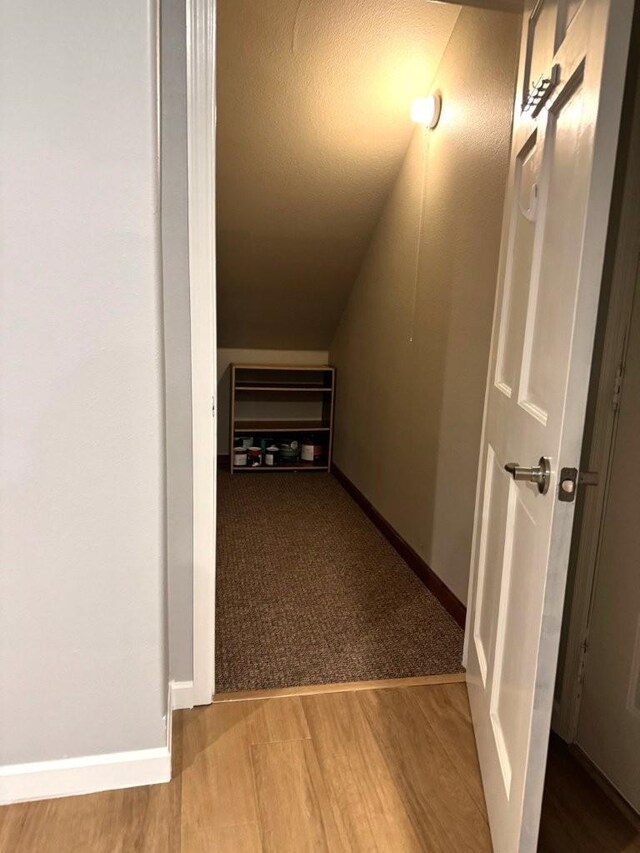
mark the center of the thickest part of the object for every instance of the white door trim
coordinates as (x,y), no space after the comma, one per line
(624,280)
(201,212)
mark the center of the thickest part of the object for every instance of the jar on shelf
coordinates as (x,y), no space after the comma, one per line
(311,449)
(272,455)
(254,457)
(239,457)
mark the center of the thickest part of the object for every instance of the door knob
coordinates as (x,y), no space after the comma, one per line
(540,474)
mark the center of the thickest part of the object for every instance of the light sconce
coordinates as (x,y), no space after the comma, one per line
(426,111)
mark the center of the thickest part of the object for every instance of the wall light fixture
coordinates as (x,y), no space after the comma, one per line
(426,111)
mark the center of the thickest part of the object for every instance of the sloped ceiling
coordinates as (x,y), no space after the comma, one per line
(313,102)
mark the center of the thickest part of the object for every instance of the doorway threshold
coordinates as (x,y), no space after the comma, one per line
(339,687)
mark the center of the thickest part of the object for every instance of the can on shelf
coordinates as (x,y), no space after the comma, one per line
(311,450)
(254,457)
(239,457)
(271,455)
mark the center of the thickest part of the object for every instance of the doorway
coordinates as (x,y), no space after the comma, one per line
(606,47)
(357,258)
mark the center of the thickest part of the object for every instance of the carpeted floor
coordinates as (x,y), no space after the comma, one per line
(309,592)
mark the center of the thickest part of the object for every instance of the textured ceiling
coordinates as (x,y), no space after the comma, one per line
(313,103)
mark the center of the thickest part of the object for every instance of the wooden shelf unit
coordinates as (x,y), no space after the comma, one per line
(295,385)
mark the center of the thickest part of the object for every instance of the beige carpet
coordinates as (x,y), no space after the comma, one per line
(309,592)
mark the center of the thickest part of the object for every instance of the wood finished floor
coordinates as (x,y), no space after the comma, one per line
(375,770)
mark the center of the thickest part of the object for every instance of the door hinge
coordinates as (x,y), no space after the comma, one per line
(617,388)
(213,407)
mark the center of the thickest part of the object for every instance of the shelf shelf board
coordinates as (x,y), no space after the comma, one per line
(299,466)
(280,426)
(292,367)
(286,388)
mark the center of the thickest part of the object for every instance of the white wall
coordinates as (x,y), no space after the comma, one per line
(82,630)
(278,411)
(177,336)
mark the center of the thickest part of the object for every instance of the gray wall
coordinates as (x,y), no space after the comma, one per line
(175,248)
(83,650)
(412,347)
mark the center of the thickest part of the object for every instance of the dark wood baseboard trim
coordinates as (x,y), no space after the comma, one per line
(415,562)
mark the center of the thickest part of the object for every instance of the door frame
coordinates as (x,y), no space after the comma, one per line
(624,278)
(201,28)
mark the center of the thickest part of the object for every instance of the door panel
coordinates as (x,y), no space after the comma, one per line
(562,162)
(541,35)
(507,714)
(566,14)
(551,305)
(492,547)
(519,265)
(518,599)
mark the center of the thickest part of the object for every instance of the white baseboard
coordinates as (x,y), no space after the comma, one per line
(87,774)
(181,695)
(66,777)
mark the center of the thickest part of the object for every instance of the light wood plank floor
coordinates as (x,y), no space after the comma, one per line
(371,770)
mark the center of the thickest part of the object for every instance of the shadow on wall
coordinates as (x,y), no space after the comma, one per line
(412,346)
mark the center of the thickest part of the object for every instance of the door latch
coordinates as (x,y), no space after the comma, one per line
(570,479)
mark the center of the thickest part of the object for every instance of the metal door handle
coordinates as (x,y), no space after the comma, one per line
(539,474)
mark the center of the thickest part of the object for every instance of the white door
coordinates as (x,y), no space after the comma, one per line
(562,163)
(609,721)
